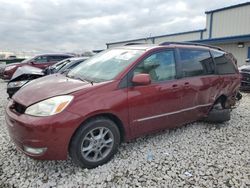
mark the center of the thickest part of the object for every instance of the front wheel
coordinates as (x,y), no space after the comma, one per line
(95,142)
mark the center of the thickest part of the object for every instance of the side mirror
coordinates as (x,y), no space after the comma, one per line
(141,79)
(248,60)
(32,62)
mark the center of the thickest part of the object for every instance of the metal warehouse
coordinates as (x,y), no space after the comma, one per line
(227,27)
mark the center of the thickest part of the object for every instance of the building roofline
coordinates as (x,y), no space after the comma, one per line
(180,33)
(237,38)
(158,36)
(226,8)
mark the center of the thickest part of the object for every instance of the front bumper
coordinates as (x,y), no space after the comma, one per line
(245,86)
(52,133)
(245,81)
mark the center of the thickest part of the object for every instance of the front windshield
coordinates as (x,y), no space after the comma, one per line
(106,65)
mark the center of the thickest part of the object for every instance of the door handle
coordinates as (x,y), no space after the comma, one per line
(186,84)
(175,86)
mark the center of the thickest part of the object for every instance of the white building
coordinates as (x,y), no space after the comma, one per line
(227,27)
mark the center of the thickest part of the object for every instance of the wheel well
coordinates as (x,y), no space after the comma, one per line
(117,121)
(112,117)
(222,99)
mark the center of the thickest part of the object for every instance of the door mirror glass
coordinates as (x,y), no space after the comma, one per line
(141,79)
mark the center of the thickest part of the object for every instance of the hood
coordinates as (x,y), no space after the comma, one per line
(26,70)
(47,87)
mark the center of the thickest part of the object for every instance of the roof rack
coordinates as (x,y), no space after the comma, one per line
(191,43)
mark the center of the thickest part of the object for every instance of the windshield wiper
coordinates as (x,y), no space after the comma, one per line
(85,80)
(82,79)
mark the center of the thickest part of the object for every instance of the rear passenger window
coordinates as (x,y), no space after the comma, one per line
(195,62)
(160,66)
(224,64)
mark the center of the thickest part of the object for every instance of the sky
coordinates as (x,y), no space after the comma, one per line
(80,25)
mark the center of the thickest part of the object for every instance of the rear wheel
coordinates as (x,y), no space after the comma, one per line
(219,113)
(95,142)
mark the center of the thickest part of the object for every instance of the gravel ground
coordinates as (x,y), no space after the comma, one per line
(196,155)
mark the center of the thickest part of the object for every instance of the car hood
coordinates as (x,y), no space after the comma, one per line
(26,70)
(47,87)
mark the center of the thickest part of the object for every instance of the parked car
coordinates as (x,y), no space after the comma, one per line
(39,61)
(25,74)
(245,76)
(118,95)
(65,65)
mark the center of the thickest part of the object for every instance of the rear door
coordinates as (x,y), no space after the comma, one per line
(227,71)
(155,106)
(198,80)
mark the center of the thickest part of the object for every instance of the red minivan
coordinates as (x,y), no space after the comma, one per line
(118,95)
(41,61)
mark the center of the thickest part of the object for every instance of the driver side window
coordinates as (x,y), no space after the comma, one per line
(41,59)
(160,66)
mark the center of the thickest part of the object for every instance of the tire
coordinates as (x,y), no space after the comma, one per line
(218,114)
(95,143)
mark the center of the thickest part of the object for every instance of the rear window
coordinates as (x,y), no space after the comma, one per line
(224,64)
(195,62)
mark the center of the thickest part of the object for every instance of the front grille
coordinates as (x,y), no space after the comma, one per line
(18,107)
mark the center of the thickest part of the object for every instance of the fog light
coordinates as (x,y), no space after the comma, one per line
(34,151)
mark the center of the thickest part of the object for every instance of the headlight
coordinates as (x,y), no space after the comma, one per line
(9,67)
(17,84)
(50,106)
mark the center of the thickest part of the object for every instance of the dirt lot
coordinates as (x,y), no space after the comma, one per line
(196,155)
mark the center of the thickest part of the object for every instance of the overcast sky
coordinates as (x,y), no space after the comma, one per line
(74,25)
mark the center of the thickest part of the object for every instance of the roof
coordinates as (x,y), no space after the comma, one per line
(229,7)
